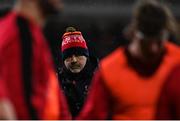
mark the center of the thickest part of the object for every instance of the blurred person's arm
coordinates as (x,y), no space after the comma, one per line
(169,103)
(52,106)
(97,105)
(56,106)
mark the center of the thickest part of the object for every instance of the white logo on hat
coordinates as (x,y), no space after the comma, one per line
(73,38)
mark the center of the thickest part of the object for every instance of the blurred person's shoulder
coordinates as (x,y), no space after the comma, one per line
(117,57)
(8,29)
(7,21)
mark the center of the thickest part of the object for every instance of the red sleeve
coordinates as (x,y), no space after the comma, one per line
(53,105)
(2,90)
(169,103)
(97,105)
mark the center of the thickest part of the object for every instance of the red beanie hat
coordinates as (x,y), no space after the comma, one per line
(73,43)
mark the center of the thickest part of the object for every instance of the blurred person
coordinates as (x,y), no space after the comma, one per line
(27,73)
(128,82)
(78,69)
(168,105)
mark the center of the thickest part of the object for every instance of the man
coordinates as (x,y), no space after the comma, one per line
(76,74)
(168,105)
(27,72)
(128,82)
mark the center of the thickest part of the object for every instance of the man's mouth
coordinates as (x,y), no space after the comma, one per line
(75,67)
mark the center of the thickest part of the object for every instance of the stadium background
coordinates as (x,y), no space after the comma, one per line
(100,21)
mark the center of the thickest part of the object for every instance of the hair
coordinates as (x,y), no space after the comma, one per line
(70,29)
(4,11)
(151,17)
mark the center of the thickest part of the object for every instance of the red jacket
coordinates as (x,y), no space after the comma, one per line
(45,97)
(169,103)
(120,92)
(2,89)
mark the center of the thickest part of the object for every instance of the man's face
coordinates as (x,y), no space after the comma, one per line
(75,63)
(152,47)
(50,7)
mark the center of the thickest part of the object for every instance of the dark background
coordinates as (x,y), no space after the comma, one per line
(100,21)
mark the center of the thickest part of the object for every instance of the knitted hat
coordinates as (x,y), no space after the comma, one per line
(73,43)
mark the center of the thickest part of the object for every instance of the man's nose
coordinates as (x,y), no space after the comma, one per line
(74,58)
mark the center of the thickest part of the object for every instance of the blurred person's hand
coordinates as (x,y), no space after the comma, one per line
(6,110)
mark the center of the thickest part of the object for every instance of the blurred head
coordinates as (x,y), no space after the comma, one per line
(150,27)
(151,47)
(74,50)
(38,10)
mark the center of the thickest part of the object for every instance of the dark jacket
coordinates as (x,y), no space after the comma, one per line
(75,86)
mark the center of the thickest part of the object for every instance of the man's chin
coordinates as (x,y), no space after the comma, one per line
(151,58)
(75,70)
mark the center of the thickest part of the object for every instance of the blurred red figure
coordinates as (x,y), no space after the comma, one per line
(29,83)
(169,106)
(128,82)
